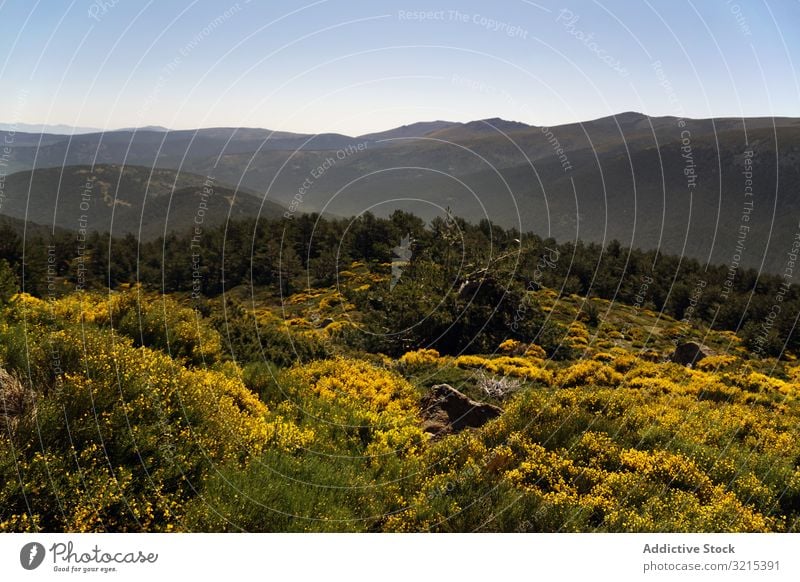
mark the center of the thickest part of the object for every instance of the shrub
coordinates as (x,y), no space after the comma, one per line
(757,382)
(248,339)
(497,387)
(507,366)
(357,382)
(262,379)
(419,358)
(366,409)
(511,347)
(141,433)
(590,313)
(589,372)
(535,352)
(16,403)
(285,493)
(156,321)
(714,363)
(9,285)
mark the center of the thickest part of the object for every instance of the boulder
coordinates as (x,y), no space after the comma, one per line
(689,353)
(446,410)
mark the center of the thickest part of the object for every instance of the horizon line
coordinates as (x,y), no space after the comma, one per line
(156,128)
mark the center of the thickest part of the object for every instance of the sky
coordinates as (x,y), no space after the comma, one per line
(356,67)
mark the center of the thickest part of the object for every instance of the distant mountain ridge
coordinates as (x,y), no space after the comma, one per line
(57,129)
(64,129)
(127,200)
(626,176)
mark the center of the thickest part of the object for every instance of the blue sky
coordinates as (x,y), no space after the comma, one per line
(354,67)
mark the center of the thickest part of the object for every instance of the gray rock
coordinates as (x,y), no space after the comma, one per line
(689,353)
(446,410)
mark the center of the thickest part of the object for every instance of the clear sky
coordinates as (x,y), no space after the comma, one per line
(359,66)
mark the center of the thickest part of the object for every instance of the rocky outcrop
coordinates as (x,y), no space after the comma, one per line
(446,410)
(689,353)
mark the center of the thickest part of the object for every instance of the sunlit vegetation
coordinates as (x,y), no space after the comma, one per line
(296,400)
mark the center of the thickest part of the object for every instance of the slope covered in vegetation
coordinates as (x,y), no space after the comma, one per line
(296,399)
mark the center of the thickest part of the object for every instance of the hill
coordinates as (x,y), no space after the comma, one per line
(130,199)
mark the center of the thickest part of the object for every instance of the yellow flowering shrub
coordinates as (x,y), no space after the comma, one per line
(713,363)
(470,362)
(333,300)
(542,469)
(516,367)
(578,343)
(588,372)
(794,374)
(620,441)
(596,449)
(535,352)
(671,469)
(681,511)
(591,483)
(149,319)
(756,382)
(82,307)
(352,393)
(421,357)
(729,337)
(304,297)
(749,487)
(358,382)
(142,430)
(623,362)
(657,385)
(26,301)
(337,328)
(578,330)
(511,346)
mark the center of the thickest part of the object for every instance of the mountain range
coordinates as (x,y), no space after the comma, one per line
(723,190)
(63,129)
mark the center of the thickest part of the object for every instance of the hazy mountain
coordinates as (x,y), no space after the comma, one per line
(412,130)
(158,128)
(60,128)
(478,129)
(627,176)
(167,149)
(135,200)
